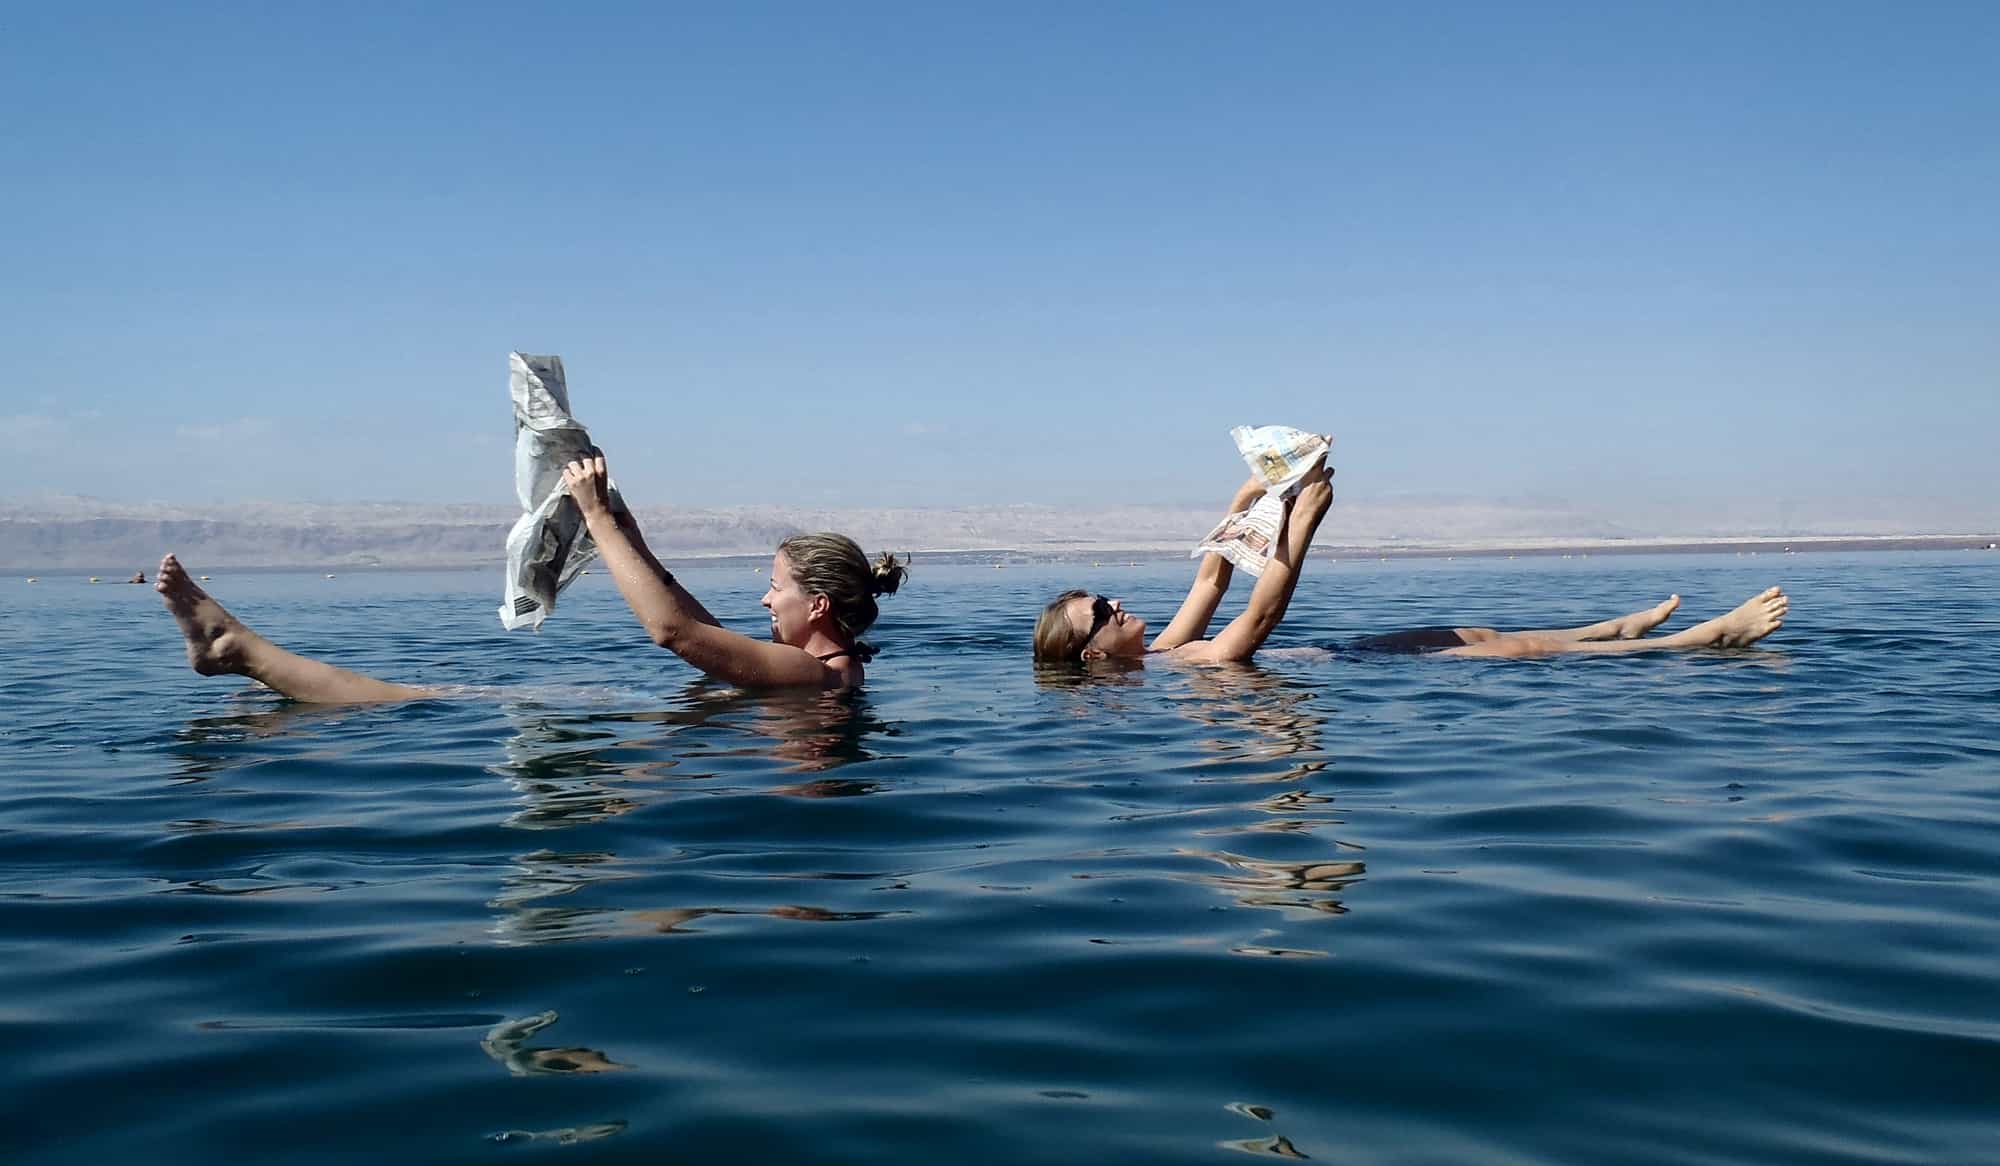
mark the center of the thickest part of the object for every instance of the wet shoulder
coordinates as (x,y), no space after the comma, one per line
(843,672)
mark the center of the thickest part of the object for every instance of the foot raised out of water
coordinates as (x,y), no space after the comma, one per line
(1757,617)
(215,638)
(1639,623)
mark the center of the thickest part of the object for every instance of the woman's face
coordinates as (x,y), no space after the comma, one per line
(1112,631)
(792,610)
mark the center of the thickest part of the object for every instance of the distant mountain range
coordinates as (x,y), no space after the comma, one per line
(56,533)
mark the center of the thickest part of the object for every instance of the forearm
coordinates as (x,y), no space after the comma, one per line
(663,607)
(1211,583)
(1308,510)
(1216,573)
(1272,596)
(630,527)
(1247,494)
(1273,593)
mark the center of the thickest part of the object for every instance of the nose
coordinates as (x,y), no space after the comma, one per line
(766,601)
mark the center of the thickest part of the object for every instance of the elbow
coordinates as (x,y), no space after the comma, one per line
(665,633)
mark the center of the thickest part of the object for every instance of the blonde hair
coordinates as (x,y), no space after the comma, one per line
(1057,638)
(832,565)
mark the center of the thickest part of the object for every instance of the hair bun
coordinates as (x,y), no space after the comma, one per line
(889,573)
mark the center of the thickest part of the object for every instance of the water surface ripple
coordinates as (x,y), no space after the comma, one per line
(1723,907)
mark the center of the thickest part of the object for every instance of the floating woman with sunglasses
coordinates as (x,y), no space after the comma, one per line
(1080,626)
(821,598)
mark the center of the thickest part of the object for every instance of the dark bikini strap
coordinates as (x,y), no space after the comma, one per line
(835,655)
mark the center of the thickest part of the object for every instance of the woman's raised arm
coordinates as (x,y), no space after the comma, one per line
(1273,593)
(1211,582)
(674,619)
(630,527)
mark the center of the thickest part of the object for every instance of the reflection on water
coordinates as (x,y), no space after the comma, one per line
(564,1136)
(633,759)
(545,874)
(571,770)
(1308,886)
(1078,909)
(1253,713)
(207,744)
(828,787)
(1277,1145)
(675,919)
(507,1044)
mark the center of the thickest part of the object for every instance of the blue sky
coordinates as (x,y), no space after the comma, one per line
(1723,255)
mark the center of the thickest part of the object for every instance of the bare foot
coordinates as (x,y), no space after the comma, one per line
(1639,623)
(1759,616)
(215,638)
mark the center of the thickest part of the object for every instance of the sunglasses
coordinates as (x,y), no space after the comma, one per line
(1100,614)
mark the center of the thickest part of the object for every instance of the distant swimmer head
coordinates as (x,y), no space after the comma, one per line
(1082,625)
(824,580)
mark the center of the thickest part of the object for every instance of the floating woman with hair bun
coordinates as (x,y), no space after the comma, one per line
(822,597)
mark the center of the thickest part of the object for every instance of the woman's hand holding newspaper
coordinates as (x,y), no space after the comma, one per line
(1281,460)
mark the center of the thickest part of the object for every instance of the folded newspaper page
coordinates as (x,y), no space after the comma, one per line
(1281,456)
(549,546)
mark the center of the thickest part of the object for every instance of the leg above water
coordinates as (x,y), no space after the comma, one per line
(1752,620)
(219,644)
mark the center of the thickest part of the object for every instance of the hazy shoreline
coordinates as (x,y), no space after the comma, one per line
(1020,556)
(94,536)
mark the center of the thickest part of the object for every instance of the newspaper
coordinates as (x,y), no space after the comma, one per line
(549,546)
(1281,456)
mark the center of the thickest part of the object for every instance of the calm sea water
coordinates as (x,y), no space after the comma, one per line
(1721,907)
